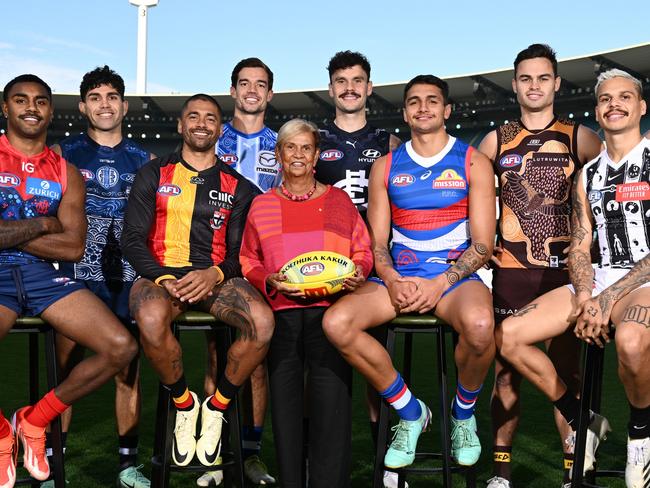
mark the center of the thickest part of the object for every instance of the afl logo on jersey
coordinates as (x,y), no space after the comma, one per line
(169,190)
(107,176)
(87,174)
(7,179)
(449,179)
(402,180)
(371,153)
(594,196)
(312,269)
(331,155)
(510,161)
(230,158)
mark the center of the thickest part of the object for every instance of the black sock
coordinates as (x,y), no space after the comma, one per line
(569,407)
(568,464)
(639,424)
(374,430)
(178,389)
(128,450)
(502,466)
(226,391)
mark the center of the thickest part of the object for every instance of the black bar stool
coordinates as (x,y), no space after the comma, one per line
(409,325)
(232,463)
(34,326)
(590,396)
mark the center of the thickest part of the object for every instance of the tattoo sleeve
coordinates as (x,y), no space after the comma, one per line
(16,232)
(579,262)
(638,275)
(471,260)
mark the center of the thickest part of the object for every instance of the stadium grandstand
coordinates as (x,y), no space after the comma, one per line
(481,101)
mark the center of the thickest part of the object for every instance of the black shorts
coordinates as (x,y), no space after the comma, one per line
(512,288)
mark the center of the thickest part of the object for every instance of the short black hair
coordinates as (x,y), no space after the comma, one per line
(250,63)
(429,80)
(26,78)
(99,77)
(537,51)
(207,98)
(348,59)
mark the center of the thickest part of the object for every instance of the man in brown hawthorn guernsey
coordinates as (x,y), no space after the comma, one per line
(535,159)
(182,234)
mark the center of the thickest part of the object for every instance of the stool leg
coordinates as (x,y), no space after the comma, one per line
(55,425)
(161,458)
(444,408)
(233,429)
(408,357)
(33,368)
(382,427)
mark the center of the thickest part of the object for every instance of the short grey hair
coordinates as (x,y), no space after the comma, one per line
(618,73)
(297,126)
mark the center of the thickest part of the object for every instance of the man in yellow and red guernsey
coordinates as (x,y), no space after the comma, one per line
(182,234)
(535,159)
(42,220)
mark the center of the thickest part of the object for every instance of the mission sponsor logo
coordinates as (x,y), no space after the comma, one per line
(402,180)
(312,269)
(230,159)
(169,190)
(449,179)
(9,180)
(510,161)
(43,188)
(331,155)
(87,174)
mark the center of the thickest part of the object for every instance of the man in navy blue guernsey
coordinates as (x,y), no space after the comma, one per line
(108,162)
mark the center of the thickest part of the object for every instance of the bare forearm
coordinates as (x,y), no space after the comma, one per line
(58,247)
(16,232)
(581,272)
(384,263)
(469,262)
(638,275)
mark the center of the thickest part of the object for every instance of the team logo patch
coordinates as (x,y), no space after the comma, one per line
(312,269)
(371,153)
(87,174)
(449,179)
(331,155)
(43,188)
(267,159)
(230,158)
(510,161)
(128,177)
(107,176)
(217,220)
(633,191)
(594,196)
(169,190)
(406,257)
(8,179)
(402,180)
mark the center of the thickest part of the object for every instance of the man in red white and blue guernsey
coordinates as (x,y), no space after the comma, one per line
(42,209)
(436,195)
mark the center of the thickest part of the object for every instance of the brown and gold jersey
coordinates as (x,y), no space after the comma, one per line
(535,171)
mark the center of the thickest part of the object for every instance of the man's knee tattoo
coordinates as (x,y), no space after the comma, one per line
(637,314)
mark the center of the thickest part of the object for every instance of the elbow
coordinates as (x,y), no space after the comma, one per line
(74,253)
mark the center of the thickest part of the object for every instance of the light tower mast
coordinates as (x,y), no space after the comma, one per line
(141,77)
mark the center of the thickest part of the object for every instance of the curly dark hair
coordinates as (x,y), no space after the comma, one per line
(98,77)
(347,59)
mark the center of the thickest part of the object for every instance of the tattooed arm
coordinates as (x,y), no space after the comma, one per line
(16,232)
(580,270)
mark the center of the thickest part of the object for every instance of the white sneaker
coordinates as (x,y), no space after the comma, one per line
(596,432)
(184,445)
(211,477)
(257,472)
(391,480)
(637,468)
(208,446)
(498,482)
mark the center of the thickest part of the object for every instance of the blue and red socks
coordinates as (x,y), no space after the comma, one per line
(402,400)
(464,402)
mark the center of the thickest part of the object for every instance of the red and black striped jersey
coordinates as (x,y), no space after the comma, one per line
(179,219)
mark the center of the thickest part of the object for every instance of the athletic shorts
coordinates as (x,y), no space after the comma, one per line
(606,277)
(512,288)
(31,288)
(115,294)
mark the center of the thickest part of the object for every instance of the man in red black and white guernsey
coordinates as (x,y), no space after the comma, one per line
(182,234)
(435,194)
(42,209)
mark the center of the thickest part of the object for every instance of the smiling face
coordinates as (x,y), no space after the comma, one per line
(298,156)
(535,84)
(425,110)
(252,92)
(619,106)
(350,88)
(28,110)
(200,125)
(104,108)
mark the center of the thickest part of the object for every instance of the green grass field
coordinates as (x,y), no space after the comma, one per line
(92,444)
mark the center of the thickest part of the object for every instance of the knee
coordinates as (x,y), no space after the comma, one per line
(631,347)
(121,349)
(506,340)
(264,324)
(337,326)
(153,324)
(478,329)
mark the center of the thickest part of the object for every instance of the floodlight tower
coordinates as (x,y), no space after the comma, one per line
(143,5)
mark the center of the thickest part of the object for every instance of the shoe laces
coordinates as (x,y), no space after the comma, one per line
(138,475)
(637,454)
(401,436)
(182,421)
(213,419)
(463,433)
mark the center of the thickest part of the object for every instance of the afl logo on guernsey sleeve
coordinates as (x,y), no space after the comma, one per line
(107,176)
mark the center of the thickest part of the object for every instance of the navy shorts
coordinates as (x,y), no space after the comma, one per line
(31,288)
(115,294)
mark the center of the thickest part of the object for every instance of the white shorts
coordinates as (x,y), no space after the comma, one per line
(605,277)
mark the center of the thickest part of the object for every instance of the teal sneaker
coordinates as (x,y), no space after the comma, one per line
(131,477)
(401,451)
(465,446)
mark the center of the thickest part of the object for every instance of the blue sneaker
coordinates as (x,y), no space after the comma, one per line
(401,451)
(131,477)
(465,446)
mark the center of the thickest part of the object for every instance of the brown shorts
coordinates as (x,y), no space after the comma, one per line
(513,288)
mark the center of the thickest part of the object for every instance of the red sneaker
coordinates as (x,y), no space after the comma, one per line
(8,453)
(33,440)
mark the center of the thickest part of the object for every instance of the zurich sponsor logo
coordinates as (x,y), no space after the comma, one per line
(402,180)
(169,190)
(510,161)
(87,174)
(371,153)
(267,158)
(107,176)
(43,188)
(128,177)
(594,196)
(312,269)
(229,158)
(7,179)
(331,155)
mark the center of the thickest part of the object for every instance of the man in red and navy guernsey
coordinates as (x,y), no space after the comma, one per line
(182,234)
(42,221)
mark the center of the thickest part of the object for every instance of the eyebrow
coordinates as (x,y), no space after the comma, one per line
(37,97)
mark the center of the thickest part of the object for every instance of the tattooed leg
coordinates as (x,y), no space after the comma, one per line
(153,310)
(239,305)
